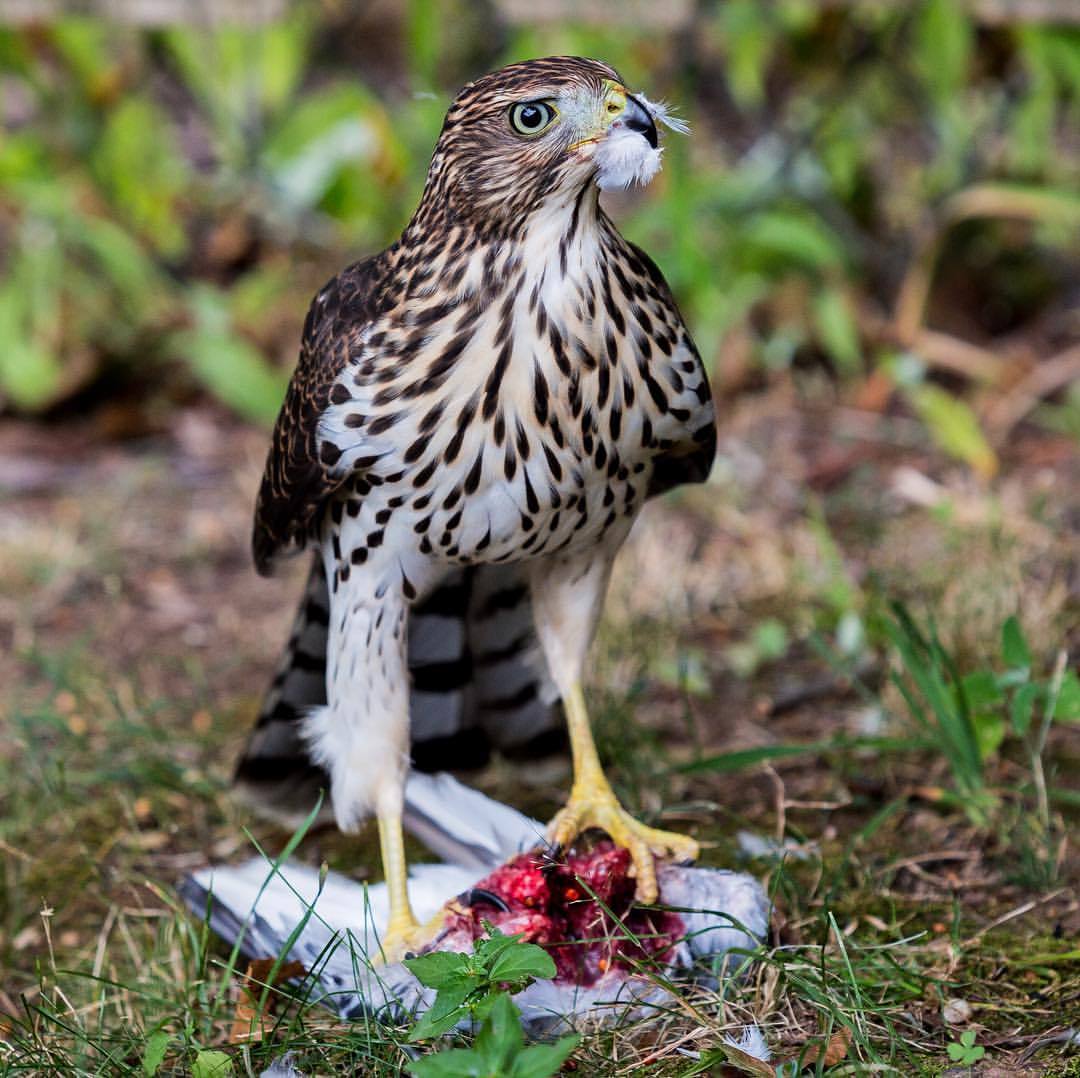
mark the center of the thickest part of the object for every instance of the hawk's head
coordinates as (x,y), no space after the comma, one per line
(538,131)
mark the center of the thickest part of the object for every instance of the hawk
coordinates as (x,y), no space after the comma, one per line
(477,416)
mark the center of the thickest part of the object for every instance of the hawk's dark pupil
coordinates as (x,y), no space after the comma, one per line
(531,116)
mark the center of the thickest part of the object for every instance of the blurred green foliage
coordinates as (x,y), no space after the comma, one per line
(969,716)
(156,189)
(171,197)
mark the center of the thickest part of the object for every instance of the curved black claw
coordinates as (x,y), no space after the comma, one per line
(477,896)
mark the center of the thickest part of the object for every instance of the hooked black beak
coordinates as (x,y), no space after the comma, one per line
(638,118)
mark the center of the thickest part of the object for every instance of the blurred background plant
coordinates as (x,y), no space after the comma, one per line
(885,194)
(874,231)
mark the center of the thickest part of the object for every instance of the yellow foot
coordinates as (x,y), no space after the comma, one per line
(600,808)
(405,936)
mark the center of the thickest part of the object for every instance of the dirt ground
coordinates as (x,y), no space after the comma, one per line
(136,639)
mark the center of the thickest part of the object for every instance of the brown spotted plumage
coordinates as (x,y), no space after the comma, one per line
(497,392)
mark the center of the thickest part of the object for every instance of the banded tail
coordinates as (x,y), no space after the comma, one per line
(478,683)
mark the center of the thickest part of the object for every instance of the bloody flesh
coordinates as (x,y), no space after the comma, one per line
(579,909)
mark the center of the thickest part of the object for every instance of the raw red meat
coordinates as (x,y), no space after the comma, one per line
(580,910)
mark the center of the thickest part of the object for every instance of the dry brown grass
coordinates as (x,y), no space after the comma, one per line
(135,641)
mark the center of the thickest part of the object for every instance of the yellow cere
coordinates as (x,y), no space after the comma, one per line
(614,100)
(585,119)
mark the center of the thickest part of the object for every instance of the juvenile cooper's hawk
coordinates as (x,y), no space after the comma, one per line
(477,416)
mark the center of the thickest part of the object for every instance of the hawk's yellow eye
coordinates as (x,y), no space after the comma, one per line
(532,117)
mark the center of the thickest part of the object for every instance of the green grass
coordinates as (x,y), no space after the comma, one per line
(861,955)
(120,726)
(168,189)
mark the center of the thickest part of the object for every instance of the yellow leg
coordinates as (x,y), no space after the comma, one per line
(402,931)
(593,803)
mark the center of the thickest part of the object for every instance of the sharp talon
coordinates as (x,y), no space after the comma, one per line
(599,809)
(407,939)
(477,895)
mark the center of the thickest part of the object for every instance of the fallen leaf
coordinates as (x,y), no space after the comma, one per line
(65,702)
(835,1050)
(249,1022)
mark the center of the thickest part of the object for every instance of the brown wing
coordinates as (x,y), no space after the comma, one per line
(296,483)
(691,460)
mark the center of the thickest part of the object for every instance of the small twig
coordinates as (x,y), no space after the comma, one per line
(667,1049)
(781,800)
(1040,740)
(936,855)
(1067,1037)
(824,806)
(819,688)
(46,913)
(1047,377)
(1005,200)
(954,884)
(946,352)
(937,349)
(948,883)
(7,848)
(907,326)
(103,941)
(914,292)
(1019,911)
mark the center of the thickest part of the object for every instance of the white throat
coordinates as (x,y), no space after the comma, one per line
(624,158)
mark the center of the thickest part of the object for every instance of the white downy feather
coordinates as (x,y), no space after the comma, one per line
(262,906)
(752,1042)
(624,158)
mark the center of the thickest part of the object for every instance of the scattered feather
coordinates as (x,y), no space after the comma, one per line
(751,1042)
(765,848)
(282,1067)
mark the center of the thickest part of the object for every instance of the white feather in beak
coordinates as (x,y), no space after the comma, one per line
(624,157)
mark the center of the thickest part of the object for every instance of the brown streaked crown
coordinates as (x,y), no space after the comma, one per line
(480,168)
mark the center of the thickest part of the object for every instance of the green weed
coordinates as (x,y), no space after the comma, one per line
(965,1051)
(499,1050)
(970,716)
(478,987)
(179,193)
(468,984)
